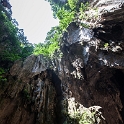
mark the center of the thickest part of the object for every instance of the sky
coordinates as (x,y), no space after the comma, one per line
(35,17)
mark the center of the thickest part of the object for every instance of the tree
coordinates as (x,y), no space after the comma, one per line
(13,44)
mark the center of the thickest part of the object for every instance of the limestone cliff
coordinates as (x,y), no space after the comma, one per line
(83,86)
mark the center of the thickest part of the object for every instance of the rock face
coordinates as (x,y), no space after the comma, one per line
(85,85)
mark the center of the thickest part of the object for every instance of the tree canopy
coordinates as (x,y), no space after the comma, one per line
(13,44)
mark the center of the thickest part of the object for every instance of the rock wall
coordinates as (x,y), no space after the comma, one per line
(84,85)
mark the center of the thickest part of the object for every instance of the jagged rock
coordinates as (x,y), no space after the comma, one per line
(86,79)
(31,66)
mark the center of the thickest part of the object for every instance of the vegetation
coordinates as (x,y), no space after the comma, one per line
(73,4)
(106,45)
(51,43)
(13,43)
(55,6)
(65,17)
(66,13)
(87,117)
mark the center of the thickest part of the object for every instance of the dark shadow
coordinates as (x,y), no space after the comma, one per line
(84,73)
(119,77)
(57,84)
(108,33)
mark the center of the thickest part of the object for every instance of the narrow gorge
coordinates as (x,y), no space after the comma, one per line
(81,84)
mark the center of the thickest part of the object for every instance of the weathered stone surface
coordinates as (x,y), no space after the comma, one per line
(31,66)
(87,81)
(99,85)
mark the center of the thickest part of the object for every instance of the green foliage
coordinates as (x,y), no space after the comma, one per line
(53,43)
(86,117)
(56,5)
(83,7)
(84,15)
(65,12)
(9,56)
(2,71)
(13,43)
(48,48)
(40,49)
(51,33)
(73,4)
(65,17)
(106,45)
(82,10)
(26,50)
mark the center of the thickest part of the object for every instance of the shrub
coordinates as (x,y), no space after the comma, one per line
(65,17)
